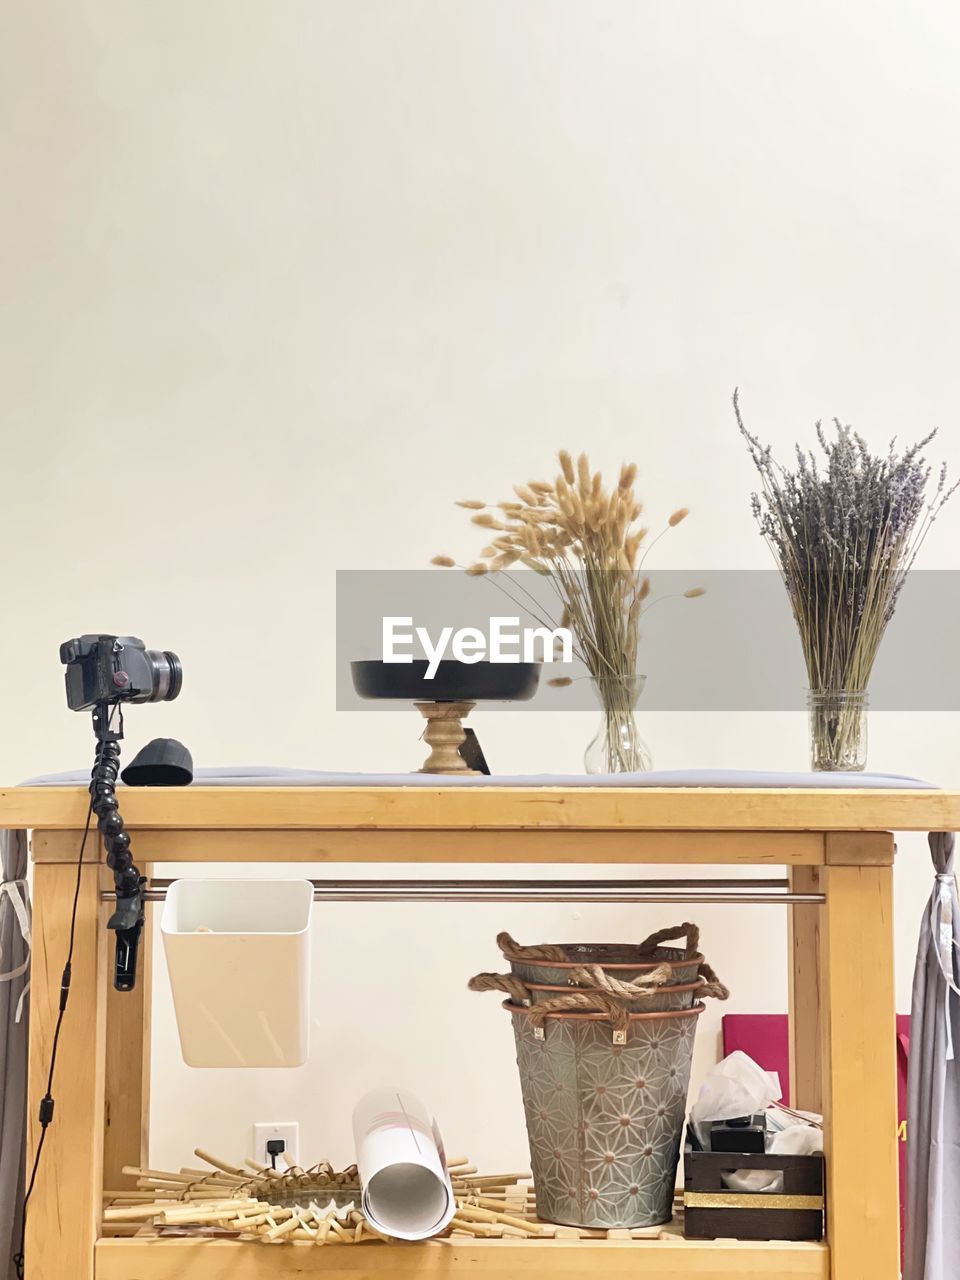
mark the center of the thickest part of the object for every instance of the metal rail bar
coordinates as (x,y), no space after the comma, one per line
(727,891)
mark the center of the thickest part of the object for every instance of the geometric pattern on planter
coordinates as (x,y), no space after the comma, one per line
(604,1121)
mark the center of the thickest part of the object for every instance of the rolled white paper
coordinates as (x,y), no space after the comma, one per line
(405,1187)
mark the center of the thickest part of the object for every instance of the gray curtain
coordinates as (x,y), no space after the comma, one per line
(14,979)
(933,1083)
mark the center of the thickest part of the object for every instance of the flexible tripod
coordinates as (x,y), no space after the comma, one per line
(127,919)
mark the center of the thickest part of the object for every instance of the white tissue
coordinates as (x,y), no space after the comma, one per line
(737,1086)
(753,1180)
(797,1140)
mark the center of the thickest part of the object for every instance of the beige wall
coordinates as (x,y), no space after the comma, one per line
(278,280)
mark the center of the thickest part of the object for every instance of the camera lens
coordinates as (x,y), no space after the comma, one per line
(167,675)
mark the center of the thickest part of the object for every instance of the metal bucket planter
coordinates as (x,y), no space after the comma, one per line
(604,1111)
(604,1040)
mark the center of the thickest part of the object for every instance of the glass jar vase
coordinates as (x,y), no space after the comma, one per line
(838,729)
(617,746)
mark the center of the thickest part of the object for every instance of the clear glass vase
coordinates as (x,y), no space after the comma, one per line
(617,746)
(838,729)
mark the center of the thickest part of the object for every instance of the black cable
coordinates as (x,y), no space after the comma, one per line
(47,1102)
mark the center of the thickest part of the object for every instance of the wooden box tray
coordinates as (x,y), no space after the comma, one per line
(713,1211)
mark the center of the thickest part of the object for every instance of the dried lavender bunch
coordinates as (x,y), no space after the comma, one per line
(845,535)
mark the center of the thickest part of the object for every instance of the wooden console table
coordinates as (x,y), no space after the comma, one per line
(837,843)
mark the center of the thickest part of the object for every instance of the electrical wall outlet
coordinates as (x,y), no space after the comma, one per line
(289,1132)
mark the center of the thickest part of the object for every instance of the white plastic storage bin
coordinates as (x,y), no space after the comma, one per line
(238,953)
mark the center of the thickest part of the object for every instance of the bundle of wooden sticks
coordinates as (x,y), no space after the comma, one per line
(317,1204)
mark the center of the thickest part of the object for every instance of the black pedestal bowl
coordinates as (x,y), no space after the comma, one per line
(453,681)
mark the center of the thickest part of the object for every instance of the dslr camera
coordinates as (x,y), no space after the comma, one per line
(104,672)
(118,669)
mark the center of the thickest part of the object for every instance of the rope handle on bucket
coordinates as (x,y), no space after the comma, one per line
(594,988)
(691,932)
(546,950)
(712,986)
(598,1001)
(512,986)
(594,1001)
(549,951)
(593,977)
(589,979)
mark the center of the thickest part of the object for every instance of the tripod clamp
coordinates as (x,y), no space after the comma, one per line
(127,919)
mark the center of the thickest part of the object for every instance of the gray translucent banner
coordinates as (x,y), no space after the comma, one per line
(735,648)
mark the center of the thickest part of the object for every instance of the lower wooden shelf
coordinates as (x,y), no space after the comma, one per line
(669,1258)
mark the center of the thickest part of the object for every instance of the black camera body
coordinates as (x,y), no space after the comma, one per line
(118,669)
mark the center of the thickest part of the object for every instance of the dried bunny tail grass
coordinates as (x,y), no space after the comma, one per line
(560,682)
(531,540)
(475,570)
(628,473)
(564,497)
(536,565)
(692,593)
(471,504)
(680,514)
(445,562)
(594,517)
(583,537)
(619,529)
(616,505)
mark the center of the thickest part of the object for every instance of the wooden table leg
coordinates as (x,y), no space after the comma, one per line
(127,1086)
(859,1072)
(64,1213)
(804,959)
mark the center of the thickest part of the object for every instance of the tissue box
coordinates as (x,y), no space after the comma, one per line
(713,1211)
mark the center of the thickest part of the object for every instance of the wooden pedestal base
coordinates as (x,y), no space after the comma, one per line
(445,734)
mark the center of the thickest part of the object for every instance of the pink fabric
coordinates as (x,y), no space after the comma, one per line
(903,1051)
(765,1037)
